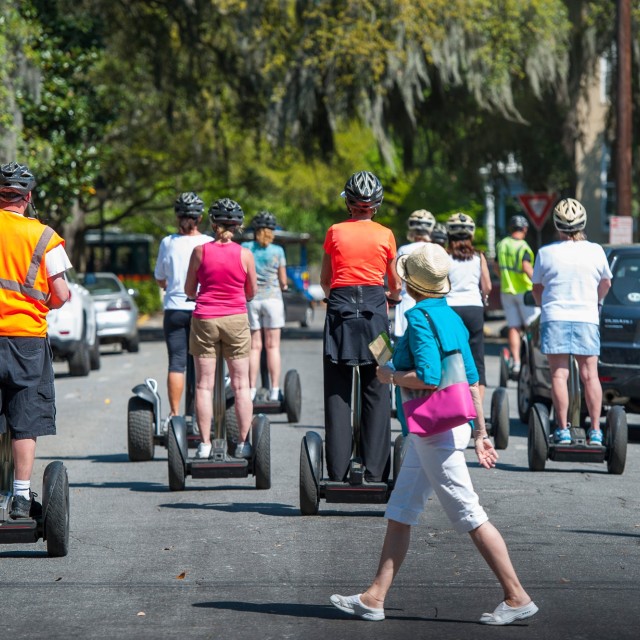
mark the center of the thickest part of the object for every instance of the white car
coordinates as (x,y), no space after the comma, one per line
(73,330)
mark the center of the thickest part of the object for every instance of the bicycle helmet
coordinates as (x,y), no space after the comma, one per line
(439,234)
(227,212)
(421,221)
(460,226)
(363,192)
(16,181)
(569,215)
(518,223)
(264,220)
(188,205)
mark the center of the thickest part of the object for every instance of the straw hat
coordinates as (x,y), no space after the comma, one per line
(426,269)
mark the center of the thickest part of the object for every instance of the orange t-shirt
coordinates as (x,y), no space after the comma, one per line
(360,251)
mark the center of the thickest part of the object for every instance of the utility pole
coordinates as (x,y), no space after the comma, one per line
(624,106)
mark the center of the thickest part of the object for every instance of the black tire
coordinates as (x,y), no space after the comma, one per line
(94,356)
(177,472)
(231,425)
(80,360)
(140,430)
(500,418)
(261,437)
(398,455)
(617,436)
(309,494)
(308,317)
(525,392)
(6,463)
(504,368)
(132,345)
(292,396)
(55,503)
(537,447)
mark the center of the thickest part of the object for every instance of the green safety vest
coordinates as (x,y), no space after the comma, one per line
(512,277)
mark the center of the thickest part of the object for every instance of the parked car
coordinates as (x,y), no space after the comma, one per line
(619,362)
(117,312)
(298,306)
(73,330)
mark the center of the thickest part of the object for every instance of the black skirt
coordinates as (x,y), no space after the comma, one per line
(355,316)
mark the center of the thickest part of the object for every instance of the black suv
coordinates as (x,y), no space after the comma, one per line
(619,363)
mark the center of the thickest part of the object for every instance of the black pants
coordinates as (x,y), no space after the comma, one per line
(375,436)
(473,319)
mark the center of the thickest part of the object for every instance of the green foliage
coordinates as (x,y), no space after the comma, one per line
(148,295)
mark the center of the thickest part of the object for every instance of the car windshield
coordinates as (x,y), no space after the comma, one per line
(625,286)
(100,285)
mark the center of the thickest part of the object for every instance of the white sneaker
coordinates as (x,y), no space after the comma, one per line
(504,614)
(204,450)
(243,450)
(253,391)
(274,395)
(354,606)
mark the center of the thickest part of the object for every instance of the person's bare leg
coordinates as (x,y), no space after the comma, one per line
(588,366)
(394,551)
(24,453)
(254,357)
(239,374)
(493,549)
(559,369)
(175,388)
(514,344)
(205,378)
(274,363)
(481,389)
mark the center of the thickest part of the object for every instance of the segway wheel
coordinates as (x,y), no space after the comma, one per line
(504,368)
(500,418)
(177,472)
(309,493)
(537,446)
(231,426)
(140,421)
(55,505)
(292,396)
(399,449)
(261,438)
(616,436)
(524,393)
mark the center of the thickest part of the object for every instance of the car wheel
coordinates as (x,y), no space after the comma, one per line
(525,392)
(80,361)
(94,356)
(132,345)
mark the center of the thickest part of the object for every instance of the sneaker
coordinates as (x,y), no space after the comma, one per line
(204,450)
(562,436)
(515,369)
(504,614)
(243,450)
(353,606)
(274,395)
(253,392)
(595,436)
(25,507)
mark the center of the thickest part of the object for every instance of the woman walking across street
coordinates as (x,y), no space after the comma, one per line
(221,278)
(436,464)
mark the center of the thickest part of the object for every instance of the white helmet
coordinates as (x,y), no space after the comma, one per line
(460,226)
(569,215)
(420,223)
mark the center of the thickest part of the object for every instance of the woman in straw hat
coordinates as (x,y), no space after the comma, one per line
(437,463)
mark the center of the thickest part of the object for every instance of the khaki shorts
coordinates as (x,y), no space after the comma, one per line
(231,333)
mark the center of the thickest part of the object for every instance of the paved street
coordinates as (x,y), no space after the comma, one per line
(222,560)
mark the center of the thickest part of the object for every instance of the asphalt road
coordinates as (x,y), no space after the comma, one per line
(222,560)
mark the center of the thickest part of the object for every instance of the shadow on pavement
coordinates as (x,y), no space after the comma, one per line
(265,509)
(142,487)
(107,458)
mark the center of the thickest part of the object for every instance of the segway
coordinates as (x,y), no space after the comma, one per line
(290,400)
(540,445)
(51,522)
(313,487)
(219,464)
(507,371)
(145,426)
(498,426)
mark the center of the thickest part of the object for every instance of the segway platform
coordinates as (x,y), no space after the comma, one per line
(578,450)
(364,493)
(218,465)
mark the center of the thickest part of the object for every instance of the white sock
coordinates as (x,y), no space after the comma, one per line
(253,393)
(275,393)
(22,488)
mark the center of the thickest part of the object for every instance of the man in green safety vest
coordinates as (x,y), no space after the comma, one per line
(515,263)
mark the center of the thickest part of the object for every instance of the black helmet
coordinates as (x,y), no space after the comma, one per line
(16,181)
(188,205)
(363,191)
(226,211)
(264,220)
(518,223)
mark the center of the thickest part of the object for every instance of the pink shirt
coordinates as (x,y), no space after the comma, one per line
(221,277)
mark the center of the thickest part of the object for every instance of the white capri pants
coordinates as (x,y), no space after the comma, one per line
(437,464)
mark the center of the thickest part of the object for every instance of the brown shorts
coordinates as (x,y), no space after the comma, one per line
(231,333)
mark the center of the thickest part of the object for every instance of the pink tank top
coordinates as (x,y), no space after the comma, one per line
(221,277)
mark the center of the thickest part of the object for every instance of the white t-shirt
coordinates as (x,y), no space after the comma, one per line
(172,265)
(570,273)
(465,283)
(56,261)
(406,302)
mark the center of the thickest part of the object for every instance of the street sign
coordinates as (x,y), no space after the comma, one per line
(620,229)
(537,206)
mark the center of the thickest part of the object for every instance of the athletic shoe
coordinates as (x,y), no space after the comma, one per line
(274,395)
(243,450)
(353,606)
(25,507)
(515,370)
(595,436)
(562,436)
(253,392)
(204,450)
(504,614)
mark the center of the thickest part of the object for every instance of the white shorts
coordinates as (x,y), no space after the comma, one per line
(516,312)
(437,464)
(266,314)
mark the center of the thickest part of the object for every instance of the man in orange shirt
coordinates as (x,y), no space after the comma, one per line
(358,255)
(32,266)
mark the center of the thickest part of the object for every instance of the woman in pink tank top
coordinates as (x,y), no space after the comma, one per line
(222,278)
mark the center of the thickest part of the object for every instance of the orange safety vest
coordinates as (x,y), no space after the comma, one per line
(23,275)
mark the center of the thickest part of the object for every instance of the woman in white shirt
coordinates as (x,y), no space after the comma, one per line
(570,279)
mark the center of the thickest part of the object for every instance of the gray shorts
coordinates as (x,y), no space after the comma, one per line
(27,393)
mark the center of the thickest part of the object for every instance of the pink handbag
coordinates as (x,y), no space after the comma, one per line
(448,406)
